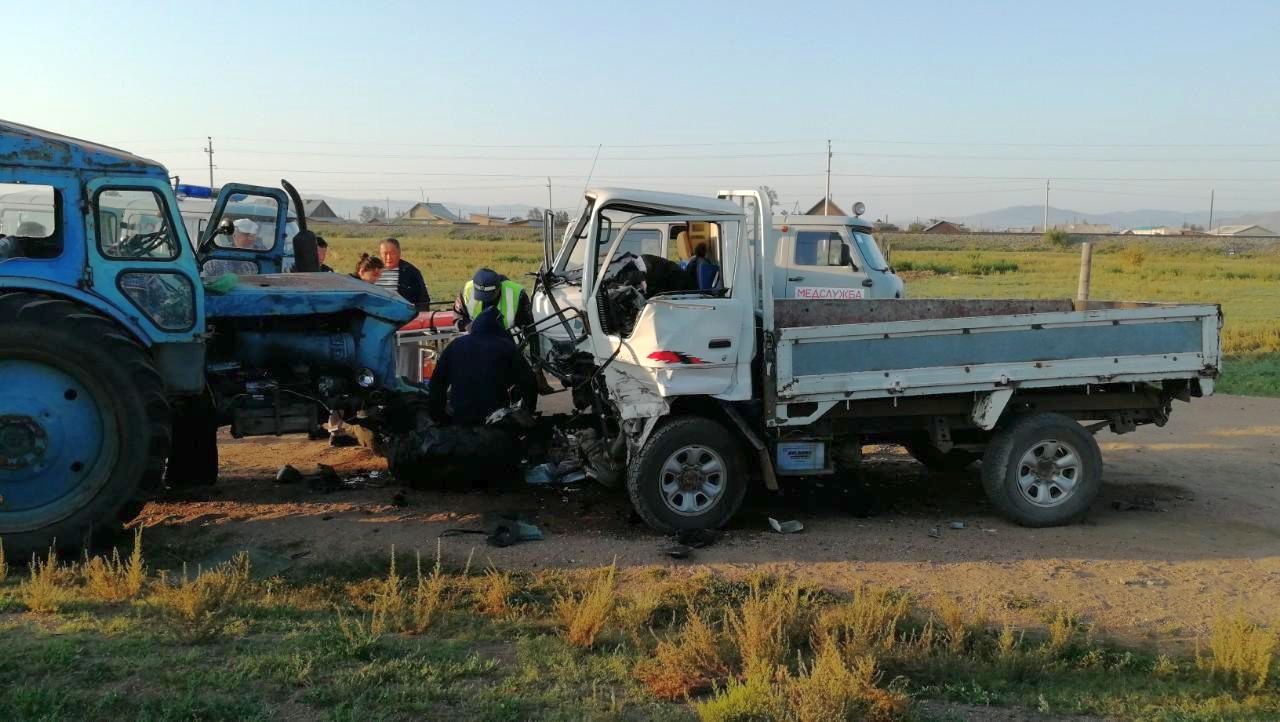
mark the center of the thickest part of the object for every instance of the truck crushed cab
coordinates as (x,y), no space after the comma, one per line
(695,392)
(117,365)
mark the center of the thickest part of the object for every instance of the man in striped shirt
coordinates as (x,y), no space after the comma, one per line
(401,276)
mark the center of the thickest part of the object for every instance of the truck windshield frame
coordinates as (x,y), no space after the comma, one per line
(869,249)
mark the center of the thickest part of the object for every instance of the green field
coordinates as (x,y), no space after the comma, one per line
(369,640)
(1245,279)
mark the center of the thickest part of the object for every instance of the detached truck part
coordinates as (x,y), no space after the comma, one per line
(117,366)
(697,393)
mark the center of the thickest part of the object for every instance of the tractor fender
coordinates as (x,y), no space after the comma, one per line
(90,300)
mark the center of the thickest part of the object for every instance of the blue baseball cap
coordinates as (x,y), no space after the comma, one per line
(486,285)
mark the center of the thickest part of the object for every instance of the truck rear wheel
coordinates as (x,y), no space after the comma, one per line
(1043,470)
(688,475)
(83,417)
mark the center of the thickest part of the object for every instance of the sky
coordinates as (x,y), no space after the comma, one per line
(933,109)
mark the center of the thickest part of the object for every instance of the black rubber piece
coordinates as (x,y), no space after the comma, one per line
(644,486)
(926,453)
(1000,469)
(120,374)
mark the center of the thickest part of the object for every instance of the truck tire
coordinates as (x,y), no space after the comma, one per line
(1043,470)
(83,417)
(933,459)
(688,475)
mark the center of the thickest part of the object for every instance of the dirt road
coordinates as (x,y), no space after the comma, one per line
(1188,526)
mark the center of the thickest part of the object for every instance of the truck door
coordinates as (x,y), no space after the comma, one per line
(142,259)
(684,342)
(821,265)
(248,232)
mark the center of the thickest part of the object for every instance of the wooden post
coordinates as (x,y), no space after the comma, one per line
(1086,271)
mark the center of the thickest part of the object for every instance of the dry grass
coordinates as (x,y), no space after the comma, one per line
(1007,643)
(1240,652)
(691,662)
(359,636)
(1062,630)
(953,616)
(866,623)
(832,688)
(4,564)
(583,617)
(200,608)
(431,595)
(47,589)
(496,591)
(635,615)
(766,625)
(111,579)
(391,608)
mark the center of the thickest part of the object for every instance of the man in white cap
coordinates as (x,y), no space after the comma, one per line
(244,237)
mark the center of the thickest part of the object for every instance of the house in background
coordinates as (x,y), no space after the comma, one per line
(831,209)
(1241,230)
(524,222)
(484,219)
(1153,231)
(318,210)
(945,227)
(434,214)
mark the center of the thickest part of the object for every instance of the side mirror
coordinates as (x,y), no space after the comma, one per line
(224,229)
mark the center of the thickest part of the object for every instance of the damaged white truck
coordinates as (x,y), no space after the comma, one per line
(696,394)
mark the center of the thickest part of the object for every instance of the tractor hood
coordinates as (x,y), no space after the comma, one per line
(307,294)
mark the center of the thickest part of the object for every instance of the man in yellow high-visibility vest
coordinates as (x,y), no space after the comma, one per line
(488,288)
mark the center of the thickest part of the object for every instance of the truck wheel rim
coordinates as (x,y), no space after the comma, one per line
(54,443)
(1049,472)
(692,480)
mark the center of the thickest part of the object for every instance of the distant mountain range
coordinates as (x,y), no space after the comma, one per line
(1027,216)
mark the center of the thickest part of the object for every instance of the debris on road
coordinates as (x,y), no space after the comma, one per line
(935,532)
(1136,503)
(790,526)
(288,475)
(958,525)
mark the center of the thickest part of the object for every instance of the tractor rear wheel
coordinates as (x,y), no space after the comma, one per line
(83,417)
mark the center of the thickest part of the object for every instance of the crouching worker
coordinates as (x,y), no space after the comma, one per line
(477,374)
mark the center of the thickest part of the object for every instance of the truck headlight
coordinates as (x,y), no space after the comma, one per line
(365,378)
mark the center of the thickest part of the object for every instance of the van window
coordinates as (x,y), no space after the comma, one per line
(29,225)
(817,248)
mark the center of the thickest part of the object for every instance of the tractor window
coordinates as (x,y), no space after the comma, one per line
(134,223)
(248,223)
(168,299)
(28,222)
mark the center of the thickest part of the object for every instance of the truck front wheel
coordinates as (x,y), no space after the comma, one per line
(1043,470)
(688,475)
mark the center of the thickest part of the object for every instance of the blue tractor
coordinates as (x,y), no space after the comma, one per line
(118,363)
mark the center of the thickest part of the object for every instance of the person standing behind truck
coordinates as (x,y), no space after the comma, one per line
(401,276)
(488,288)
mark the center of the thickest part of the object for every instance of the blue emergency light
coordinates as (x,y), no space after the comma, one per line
(191,191)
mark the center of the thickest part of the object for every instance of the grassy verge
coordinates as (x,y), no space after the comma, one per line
(422,639)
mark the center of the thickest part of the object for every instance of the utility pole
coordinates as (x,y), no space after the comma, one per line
(826,202)
(1046,206)
(209,150)
(388,208)
(1210,228)
(550,207)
